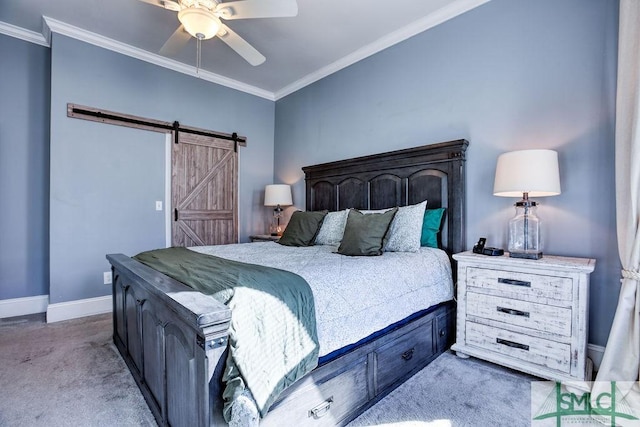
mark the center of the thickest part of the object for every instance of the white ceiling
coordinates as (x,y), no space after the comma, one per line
(327,35)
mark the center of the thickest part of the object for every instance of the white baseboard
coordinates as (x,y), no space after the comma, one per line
(79,308)
(23,306)
(595,353)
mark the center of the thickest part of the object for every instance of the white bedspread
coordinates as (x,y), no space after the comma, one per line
(354,296)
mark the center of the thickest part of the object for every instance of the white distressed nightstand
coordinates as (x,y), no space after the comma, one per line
(529,315)
(263,238)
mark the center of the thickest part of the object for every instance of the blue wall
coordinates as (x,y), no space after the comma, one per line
(105,179)
(24,168)
(508,75)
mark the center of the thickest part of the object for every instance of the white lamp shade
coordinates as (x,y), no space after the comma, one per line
(527,171)
(277,194)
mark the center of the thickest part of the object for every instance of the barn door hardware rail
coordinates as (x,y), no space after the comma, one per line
(115,118)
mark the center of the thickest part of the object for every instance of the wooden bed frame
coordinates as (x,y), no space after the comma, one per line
(173,338)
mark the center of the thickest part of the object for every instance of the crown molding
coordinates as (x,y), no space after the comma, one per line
(51,25)
(433,19)
(22,34)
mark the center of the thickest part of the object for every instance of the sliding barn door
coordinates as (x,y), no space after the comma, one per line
(204,191)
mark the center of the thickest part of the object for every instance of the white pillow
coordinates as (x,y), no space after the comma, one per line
(406,229)
(332,228)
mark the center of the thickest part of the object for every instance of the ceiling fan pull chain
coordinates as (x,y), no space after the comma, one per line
(198,54)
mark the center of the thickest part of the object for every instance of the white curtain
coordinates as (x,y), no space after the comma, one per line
(621,360)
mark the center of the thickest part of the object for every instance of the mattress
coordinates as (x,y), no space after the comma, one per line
(355,297)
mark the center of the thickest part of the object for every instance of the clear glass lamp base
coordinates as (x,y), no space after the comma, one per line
(524,232)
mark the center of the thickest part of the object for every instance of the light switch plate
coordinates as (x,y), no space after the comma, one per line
(158,205)
(107,277)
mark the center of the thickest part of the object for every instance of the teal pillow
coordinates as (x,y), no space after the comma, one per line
(366,234)
(431,226)
(302,228)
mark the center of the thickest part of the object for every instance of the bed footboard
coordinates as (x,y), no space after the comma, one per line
(173,340)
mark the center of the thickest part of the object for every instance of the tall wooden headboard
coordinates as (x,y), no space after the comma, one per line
(432,172)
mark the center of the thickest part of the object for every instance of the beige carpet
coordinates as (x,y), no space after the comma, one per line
(66,374)
(70,374)
(454,392)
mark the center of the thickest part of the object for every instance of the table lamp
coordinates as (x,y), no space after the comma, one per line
(277,195)
(526,173)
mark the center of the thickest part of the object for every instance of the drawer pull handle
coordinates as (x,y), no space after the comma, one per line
(322,409)
(514,282)
(512,344)
(407,355)
(512,311)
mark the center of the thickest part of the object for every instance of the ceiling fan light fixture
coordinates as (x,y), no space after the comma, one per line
(199,22)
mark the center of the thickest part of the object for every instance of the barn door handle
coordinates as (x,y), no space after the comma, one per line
(407,355)
(321,410)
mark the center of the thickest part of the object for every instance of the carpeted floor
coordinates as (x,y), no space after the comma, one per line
(454,392)
(70,374)
(66,374)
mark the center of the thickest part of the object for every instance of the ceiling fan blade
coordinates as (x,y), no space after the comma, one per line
(237,43)
(176,42)
(257,9)
(165,4)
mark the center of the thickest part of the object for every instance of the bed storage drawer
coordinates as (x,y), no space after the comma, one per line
(400,357)
(319,402)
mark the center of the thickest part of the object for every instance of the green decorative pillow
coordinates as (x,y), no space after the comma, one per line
(365,235)
(302,228)
(431,226)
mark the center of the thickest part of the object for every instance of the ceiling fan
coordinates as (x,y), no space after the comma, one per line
(202,19)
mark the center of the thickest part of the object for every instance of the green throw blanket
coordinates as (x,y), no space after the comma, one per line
(272,337)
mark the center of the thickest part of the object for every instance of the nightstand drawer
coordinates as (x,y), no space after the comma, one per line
(543,352)
(521,285)
(541,317)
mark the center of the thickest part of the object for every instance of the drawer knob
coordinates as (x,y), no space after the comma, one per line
(442,332)
(512,311)
(512,344)
(321,410)
(514,282)
(407,355)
